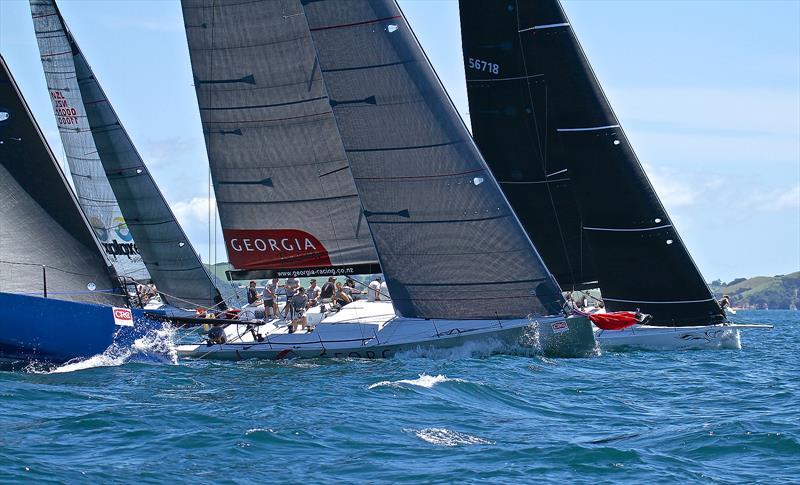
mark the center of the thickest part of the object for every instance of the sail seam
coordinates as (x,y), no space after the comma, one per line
(442,221)
(288,103)
(610,229)
(545,26)
(455,174)
(480,283)
(372,66)
(516,78)
(355,24)
(591,128)
(658,302)
(533,181)
(415,147)
(292,201)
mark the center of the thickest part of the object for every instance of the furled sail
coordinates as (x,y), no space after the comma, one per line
(540,117)
(45,240)
(91,185)
(172,262)
(449,244)
(286,197)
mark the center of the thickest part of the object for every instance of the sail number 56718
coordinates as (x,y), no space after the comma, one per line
(484,66)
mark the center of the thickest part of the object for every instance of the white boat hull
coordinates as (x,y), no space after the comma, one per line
(372,330)
(648,337)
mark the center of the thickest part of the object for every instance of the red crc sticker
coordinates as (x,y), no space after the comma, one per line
(123,317)
(560,327)
(274,249)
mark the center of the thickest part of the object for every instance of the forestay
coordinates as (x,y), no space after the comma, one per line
(448,242)
(541,118)
(45,239)
(285,193)
(172,262)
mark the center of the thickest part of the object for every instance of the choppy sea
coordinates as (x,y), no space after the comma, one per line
(466,416)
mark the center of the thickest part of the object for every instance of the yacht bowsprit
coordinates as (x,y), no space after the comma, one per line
(329,116)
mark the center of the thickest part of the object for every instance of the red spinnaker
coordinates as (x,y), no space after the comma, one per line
(614,321)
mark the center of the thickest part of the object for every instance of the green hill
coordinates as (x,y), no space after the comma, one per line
(775,292)
(219,270)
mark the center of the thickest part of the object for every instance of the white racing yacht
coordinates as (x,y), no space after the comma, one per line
(335,150)
(364,329)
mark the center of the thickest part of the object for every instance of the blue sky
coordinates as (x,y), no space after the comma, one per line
(707,91)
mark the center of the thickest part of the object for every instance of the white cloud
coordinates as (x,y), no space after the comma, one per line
(730,110)
(775,200)
(677,188)
(192,215)
(789,200)
(193,212)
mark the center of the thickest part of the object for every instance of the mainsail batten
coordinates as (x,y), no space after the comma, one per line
(448,242)
(171,261)
(279,169)
(555,115)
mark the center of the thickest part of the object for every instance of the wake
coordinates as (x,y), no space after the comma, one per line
(156,346)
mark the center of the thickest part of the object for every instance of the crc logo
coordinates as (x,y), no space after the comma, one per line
(122,313)
(123,317)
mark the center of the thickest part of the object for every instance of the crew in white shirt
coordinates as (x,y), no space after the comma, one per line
(374,291)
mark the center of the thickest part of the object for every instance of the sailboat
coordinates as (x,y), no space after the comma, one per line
(334,148)
(110,176)
(59,297)
(552,139)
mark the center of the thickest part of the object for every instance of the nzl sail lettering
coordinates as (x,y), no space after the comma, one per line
(65,114)
(274,249)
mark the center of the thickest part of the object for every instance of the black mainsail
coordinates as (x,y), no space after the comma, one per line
(545,126)
(286,197)
(449,244)
(45,239)
(172,262)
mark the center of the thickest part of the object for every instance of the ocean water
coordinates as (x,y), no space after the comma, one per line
(718,416)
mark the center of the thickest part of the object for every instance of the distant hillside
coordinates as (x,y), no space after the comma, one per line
(774,292)
(219,269)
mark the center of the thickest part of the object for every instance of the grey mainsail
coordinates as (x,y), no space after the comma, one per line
(44,236)
(449,244)
(91,185)
(286,197)
(172,262)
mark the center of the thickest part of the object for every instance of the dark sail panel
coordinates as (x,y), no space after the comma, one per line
(449,244)
(540,111)
(173,264)
(511,132)
(40,222)
(283,185)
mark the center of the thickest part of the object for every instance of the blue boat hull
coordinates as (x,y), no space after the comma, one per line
(46,329)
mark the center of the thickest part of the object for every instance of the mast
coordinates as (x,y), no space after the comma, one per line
(44,235)
(450,246)
(171,261)
(542,120)
(286,197)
